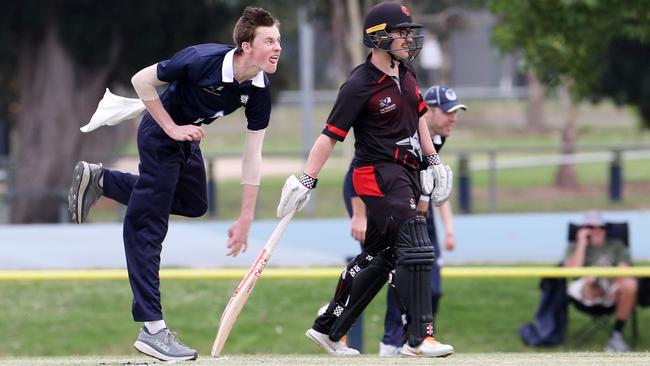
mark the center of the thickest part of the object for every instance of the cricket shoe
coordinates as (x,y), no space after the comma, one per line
(85,190)
(430,347)
(388,350)
(616,343)
(323,341)
(164,346)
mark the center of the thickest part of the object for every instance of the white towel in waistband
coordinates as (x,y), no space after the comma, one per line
(113,109)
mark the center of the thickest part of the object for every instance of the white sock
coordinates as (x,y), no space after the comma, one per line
(155,326)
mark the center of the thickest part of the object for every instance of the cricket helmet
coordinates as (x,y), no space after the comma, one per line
(386,17)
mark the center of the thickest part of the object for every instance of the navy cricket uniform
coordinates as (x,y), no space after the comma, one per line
(385,114)
(393,327)
(172,177)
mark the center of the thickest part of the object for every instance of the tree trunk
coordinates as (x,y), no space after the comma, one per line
(339,30)
(565,177)
(56,97)
(354,39)
(535,112)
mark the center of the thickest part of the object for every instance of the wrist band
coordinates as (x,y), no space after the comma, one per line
(308,181)
(433,159)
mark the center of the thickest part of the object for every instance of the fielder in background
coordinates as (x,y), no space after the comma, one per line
(204,82)
(443,105)
(395,163)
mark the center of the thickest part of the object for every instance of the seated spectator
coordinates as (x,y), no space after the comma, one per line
(592,248)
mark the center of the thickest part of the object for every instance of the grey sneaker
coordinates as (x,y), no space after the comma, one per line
(164,346)
(85,190)
(616,343)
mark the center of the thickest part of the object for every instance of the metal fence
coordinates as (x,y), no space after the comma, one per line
(469,162)
(500,159)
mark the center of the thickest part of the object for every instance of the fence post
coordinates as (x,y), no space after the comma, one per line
(64,214)
(493,179)
(464,185)
(212,189)
(616,178)
(6,207)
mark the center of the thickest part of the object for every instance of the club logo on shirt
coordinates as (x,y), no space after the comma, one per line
(412,203)
(200,121)
(244,99)
(386,105)
(414,143)
(213,89)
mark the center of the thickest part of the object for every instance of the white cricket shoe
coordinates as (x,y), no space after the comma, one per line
(388,350)
(334,348)
(430,347)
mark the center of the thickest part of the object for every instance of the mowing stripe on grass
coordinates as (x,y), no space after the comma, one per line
(237,273)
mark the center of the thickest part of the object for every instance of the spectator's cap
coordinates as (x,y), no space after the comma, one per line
(593,218)
(444,98)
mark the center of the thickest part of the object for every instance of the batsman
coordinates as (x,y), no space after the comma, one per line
(395,164)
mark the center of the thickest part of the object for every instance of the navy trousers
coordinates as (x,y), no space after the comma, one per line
(393,327)
(171,180)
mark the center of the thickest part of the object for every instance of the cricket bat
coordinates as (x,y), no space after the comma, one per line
(245,288)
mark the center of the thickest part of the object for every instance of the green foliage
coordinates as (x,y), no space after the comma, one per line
(143,31)
(626,75)
(569,40)
(122,35)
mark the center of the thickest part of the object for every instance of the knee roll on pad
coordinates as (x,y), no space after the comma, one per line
(413,246)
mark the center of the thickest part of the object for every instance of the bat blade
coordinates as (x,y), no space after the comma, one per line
(245,288)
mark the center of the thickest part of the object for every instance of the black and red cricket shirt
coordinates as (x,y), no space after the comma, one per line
(385,116)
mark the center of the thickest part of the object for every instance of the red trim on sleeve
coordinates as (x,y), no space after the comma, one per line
(337,131)
(396,154)
(365,182)
(421,106)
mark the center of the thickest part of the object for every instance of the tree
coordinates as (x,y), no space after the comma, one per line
(56,58)
(626,75)
(565,43)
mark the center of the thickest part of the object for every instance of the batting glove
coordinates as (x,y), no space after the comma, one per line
(295,194)
(436,180)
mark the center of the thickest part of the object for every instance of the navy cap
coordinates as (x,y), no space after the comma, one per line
(444,98)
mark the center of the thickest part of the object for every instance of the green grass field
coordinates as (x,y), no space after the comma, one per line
(92,318)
